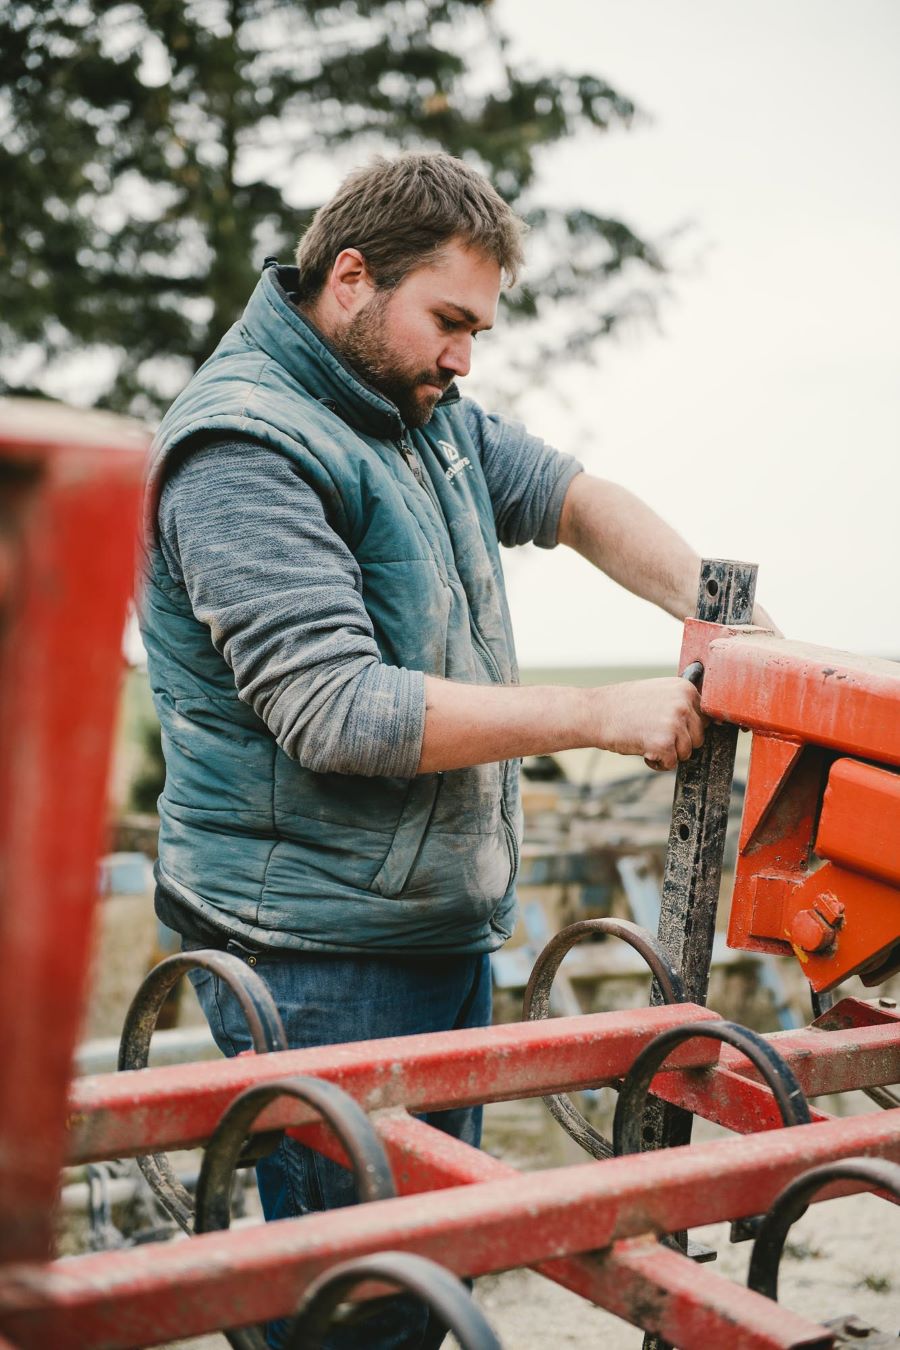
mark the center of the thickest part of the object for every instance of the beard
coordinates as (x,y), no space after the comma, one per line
(365,346)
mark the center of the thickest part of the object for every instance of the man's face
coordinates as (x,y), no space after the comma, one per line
(409,343)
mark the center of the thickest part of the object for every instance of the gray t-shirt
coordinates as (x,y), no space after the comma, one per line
(281,593)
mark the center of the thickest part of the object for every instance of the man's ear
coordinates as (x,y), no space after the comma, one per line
(350,281)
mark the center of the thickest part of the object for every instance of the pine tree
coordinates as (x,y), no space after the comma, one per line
(151,155)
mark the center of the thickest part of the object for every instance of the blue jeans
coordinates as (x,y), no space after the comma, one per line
(327,1000)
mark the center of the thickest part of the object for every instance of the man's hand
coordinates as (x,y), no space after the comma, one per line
(659,719)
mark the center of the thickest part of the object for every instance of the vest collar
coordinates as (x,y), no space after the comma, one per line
(286,335)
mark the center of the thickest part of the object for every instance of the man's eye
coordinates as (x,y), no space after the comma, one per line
(448,325)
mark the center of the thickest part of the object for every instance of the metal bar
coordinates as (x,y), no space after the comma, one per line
(693,872)
(764,683)
(115,1115)
(690,889)
(691,1306)
(637,1280)
(69,491)
(488,1060)
(831,1061)
(729,1099)
(148,1295)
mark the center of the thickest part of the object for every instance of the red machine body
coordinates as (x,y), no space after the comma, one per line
(818,870)
(823,778)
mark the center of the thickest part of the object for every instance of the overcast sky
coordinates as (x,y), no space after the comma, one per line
(763,420)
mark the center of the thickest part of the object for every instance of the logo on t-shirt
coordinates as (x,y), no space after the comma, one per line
(454,462)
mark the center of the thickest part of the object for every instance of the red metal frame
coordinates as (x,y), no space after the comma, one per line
(70,490)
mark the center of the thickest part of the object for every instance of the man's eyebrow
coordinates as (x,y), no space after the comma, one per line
(466,314)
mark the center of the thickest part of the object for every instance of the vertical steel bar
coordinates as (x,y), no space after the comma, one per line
(693,872)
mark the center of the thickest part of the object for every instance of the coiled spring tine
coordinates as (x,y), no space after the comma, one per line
(537,1005)
(794,1201)
(442,1293)
(627,1122)
(263,1021)
(350,1123)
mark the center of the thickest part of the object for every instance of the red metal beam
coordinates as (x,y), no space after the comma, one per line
(728,1099)
(113,1115)
(831,1061)
(793,689)
(151,1294)
(691,1306)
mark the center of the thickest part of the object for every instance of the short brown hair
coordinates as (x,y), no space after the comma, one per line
(400,212)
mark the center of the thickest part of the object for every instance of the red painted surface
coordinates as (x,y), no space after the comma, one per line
(150,1294)
(799,692)
(113,1115)
(805,704)
(860,823)
(726,1098)
(69,487)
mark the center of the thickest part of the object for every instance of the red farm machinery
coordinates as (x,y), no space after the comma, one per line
(817,879)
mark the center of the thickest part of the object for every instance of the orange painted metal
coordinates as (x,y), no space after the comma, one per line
(818,870)
(799,692)
(860,823)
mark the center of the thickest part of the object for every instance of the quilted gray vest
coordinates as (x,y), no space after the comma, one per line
(251,839)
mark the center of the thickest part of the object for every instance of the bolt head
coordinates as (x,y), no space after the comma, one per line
(810,932)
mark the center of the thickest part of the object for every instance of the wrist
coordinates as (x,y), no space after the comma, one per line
(595,715)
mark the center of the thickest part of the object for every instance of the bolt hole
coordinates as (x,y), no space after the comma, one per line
(712,587)
(684,831)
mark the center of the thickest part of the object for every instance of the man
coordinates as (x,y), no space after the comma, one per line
(330,647)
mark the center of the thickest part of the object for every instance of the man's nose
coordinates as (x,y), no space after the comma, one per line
(457,355)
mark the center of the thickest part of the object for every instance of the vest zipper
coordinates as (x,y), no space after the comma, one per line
(408,452)
(487,655)
(512,843)
(493,669)
(412,460)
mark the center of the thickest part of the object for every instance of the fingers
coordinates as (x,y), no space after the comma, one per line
(684,734)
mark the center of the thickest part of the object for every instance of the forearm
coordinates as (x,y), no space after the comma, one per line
(627,540)
(469,724)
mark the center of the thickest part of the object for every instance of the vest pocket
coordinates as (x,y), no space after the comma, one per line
(409,835)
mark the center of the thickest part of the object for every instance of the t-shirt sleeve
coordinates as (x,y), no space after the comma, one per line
(526,478)
(281,595)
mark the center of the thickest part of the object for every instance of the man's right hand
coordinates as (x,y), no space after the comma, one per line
(658,719)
